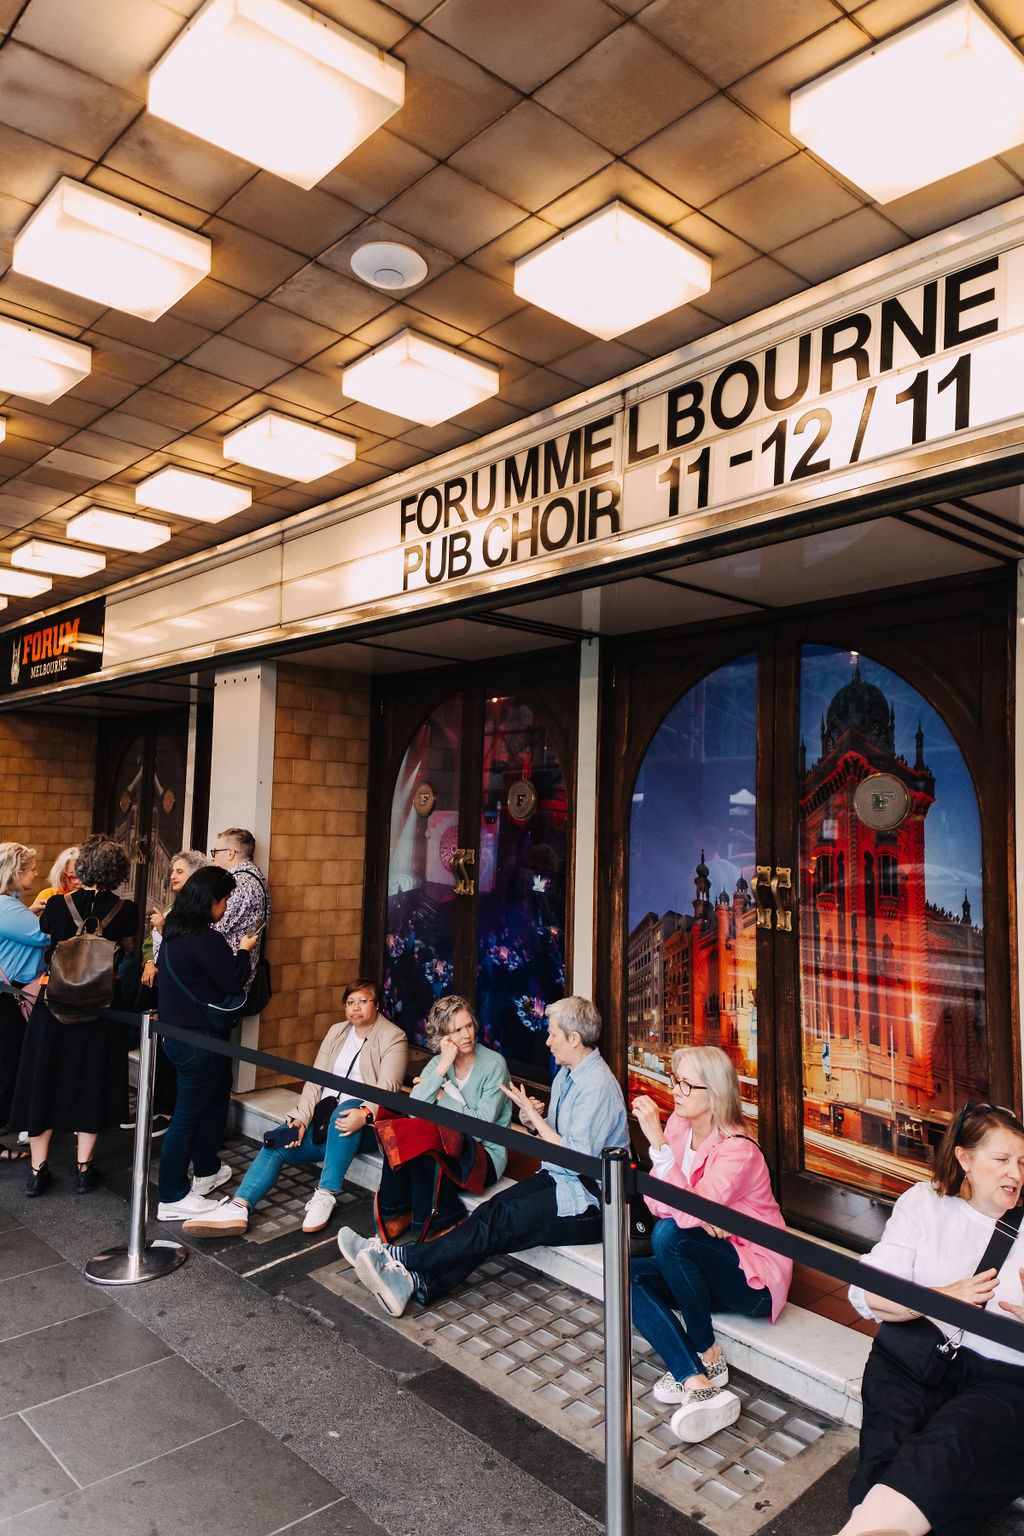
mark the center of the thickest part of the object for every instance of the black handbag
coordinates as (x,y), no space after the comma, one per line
(921,1349)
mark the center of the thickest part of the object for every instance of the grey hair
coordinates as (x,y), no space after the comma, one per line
(576,1015)
(62,866)
(14,860)
(243,840)
(719,1077)
(442,1016)
(191,858)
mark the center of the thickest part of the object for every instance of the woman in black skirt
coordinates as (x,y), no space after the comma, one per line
(940,1445)
(74,1077)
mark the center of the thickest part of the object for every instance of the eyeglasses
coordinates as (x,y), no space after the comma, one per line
(686,1088)
(979,1109)
(214,851)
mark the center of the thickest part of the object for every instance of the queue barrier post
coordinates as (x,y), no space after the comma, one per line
(618,1341)
(140,1260)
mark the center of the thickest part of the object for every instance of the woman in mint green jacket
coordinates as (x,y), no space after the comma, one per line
(424,1190)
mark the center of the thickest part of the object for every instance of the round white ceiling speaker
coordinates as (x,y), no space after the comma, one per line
(386,264)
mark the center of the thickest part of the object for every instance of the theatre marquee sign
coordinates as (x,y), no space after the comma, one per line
(53,649)
(818,409)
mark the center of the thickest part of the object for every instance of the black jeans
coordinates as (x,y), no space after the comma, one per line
(200,1114)
(522,1217)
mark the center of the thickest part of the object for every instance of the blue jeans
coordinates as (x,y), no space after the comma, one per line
(336,1154)
(524,1216)
(200,1114)
(422,1187)
(696,1273)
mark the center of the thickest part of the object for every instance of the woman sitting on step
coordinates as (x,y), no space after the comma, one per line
(696,1269)
(426,1165)
(365,1048)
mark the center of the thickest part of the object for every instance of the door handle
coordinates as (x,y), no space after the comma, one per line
(764,896)
(782,884)
(465,885)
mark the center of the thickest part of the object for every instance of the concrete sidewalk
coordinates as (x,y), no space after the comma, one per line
(239,1397)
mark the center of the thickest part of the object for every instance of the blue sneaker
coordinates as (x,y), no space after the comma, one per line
(352,1245)
(389,1281)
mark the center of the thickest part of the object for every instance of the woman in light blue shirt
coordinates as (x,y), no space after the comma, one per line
(22,950)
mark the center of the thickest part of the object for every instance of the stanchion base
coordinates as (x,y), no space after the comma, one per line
(116,1267)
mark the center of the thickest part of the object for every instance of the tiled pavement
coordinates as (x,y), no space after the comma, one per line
(520,1334)
(541,1347)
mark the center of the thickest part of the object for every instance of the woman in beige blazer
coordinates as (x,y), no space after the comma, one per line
(365,1048)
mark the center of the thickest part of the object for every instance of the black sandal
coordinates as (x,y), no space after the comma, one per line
(13,1154)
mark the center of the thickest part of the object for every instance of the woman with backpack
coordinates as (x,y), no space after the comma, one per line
(202,987)
(72,1076)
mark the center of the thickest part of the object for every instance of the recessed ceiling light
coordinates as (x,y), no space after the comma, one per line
(3,428)
(90,243)
(612,272)
(57,559)
(21,584)
(937,97)
(117,530)
(386,264)
(420,379)
(186,494)
(38,365)
(290,448)
(278,84)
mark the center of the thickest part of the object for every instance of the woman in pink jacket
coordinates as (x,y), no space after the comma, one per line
(695,1268)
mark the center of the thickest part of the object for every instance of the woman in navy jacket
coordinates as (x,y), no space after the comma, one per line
(196,967)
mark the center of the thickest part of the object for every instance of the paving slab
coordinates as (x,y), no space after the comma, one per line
(45,1364)
(46,1296)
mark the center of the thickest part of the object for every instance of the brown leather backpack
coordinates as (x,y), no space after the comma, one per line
(83,969)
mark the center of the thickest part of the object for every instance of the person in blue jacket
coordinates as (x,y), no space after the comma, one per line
(22,951)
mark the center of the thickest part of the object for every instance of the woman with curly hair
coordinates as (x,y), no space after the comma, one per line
(74,1077)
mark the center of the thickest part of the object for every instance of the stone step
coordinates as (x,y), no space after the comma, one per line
(812,1359)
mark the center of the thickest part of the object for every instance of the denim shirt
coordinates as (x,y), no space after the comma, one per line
(589,1113)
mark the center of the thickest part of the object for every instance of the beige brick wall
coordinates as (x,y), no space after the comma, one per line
(317,845)
(47,783)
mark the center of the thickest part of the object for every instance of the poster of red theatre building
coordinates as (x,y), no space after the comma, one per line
(887,911)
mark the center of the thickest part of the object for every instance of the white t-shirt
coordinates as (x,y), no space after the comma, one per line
(935,1239)
(346,1063)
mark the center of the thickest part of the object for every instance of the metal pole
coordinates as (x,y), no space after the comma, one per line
(618,1339)
(139,1261)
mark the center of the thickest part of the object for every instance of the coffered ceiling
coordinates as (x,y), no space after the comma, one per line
(520,119)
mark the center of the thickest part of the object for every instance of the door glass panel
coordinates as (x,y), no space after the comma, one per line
(521,884)
(166,820)
(692,946)
(421,886)
(892,972)
(125,818)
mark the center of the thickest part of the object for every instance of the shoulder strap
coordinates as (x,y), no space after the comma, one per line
(1004,1235)
(76,916)
(165,955)
(103,921)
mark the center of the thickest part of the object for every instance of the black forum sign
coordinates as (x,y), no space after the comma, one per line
(53,649)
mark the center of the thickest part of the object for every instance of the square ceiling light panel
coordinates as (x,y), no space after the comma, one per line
(21,584)
(933,99)
(611,272)
(90,243)
(57,559)
(116,530)
(274,82)
(289,448)
(37,365)
(419,379)
(186,494)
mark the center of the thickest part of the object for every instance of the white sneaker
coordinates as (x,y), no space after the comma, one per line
(705,1410)
(211,1181)
(318,1210)
(182,1210)
(352,1245)
(223,1220)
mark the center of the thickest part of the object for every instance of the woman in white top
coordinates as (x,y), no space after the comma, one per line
(941,1444)
(365,1047)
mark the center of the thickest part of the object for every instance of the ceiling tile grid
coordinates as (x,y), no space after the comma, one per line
(518,122)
